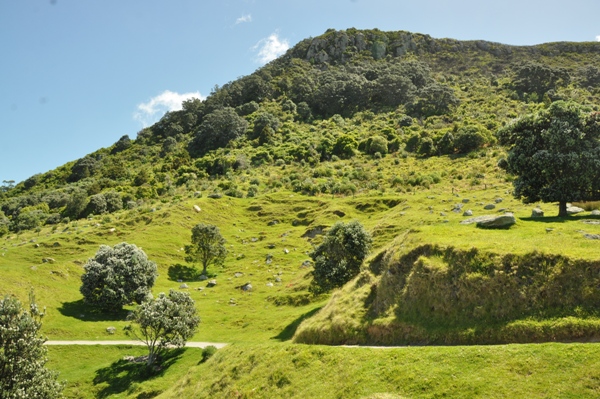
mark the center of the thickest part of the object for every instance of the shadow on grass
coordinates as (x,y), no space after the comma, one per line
(122,374)
(185,273)
(289,331)
(79,310)
(557,219)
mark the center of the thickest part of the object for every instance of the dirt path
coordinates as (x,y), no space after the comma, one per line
(188,344)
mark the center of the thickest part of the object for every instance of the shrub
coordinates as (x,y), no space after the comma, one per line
(117,276)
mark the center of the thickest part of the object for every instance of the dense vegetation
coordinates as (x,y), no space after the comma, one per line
(397,131)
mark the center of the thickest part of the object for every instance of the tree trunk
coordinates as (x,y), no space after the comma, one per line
(562,209)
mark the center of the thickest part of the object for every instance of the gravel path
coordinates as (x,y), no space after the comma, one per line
(188,344)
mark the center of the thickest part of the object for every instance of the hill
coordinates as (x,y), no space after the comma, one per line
(393,129)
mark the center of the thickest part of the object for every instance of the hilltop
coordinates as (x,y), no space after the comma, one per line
(394,129)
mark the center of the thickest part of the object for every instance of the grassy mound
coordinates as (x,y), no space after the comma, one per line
(444,295)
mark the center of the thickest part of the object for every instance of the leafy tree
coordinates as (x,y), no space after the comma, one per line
(121,145)
(339,257)
(84,167)
(555,154)
(117,276)
(22,353)
(263,121)
(345,146)
(469,138)
(217,130)
(433,99)
(532,77)
(207,247)
(76,204)
(164,322)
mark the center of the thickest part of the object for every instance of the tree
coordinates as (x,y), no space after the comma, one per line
(555,154)
(207,247)
(22,353)
(164,322)
(340,255)
(216,130)
(117,276)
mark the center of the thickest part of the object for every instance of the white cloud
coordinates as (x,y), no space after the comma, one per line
(598,38)
(244,18)
(270,48)
(149,112)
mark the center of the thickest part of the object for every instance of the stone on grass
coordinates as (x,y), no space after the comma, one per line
(498,200)
(238,274)
(592,236)
(465,200)
(111,330)
(269,284)
(247,287)
(572,210)
(489,207)
(498,222)
(468,212)
(197,208)
(596,212)
(183,286)
(202,277)
(537,213)
(211,283)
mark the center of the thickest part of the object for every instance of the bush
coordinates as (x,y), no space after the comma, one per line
(338,259)
(117,276)
(208,352)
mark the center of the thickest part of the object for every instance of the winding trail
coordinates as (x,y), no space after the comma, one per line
(218,345)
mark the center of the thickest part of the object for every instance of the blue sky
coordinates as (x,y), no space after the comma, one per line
(76,75)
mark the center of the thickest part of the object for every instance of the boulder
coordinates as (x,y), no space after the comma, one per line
(269,284)
(247,287)
(202,277)
(183,286)
(596,212)
(592,236)
(48,260)
(572,210)
(238,274)
(468,212)
(498,222)
(211,283)
(489,207)
(197,208)
(111,330)
(465,200)
(537,213)
(498,200)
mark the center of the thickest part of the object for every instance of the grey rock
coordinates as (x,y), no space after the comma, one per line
(592,236)
(591,221)
(306,263)
(489,207)
(197,208)
(498,222)
(468,212)
(183,286)
(111,330)
(273,222)
(499,200)
(596,212)
(269,284)
(442,214)
(465,200)
(572,210)
(537,213)
(271,246)
(278,279)
(286,251)
(56,244)
(457,208)
(203,277)
(215,195)
(48,260)
(211,283)
(247,287)
(238,274)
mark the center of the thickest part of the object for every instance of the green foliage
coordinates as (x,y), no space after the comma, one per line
(164,322)
(83,168)
(121,145)
(265,120)
(339,257)
(345,146)
(217,130)
(555,154)
(533,77)
(22,353)
(207,247)
(469,138)
(433,99)
(208,352)
(117,276)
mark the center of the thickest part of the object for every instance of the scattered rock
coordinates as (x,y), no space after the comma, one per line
(232,301)
(591,221)
(549,229)
(197,194)
(537,213)
(572,210)
(286,251)
(269,284)
(499,200)
(442,214)
(457,208)
(592,236)
(247,287)
(278,279)
(271,246)
(254,239)
(339,213)
(315,231)
(273,222)
(48,260)
(238,274)
(203,277)
(56,244)
(465,200)
(211,283)
(200,288)
(183,286)
(111,330)
(498,222)
(37,245)
(215,195)
(468,212)
(489,207)
(197,208)
(306,263)
(596,212)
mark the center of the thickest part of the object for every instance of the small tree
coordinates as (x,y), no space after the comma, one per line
(339,257)
(555,154)
(22,353)
(117,276)
(207,247)
(164,322)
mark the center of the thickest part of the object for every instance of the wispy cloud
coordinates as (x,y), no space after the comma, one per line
(149,112)
(244,18)
(270,48)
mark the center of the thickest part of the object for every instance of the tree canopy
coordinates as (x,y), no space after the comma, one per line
(22,353)
(340,255)
(207,247)
(117,276)
(555,154)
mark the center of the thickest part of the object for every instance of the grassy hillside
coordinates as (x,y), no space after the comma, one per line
(395,130)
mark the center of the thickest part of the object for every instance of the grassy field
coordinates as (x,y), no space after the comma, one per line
(302,371)
(284,226)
